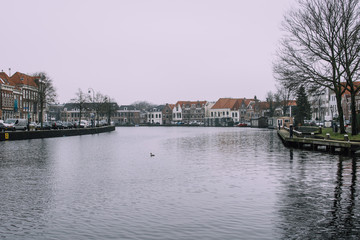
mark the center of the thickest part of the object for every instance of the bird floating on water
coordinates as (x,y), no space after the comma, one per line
(152,155)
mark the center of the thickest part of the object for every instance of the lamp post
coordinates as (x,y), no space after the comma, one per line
(332,110)
(93,98)
(107,99)
(319,112)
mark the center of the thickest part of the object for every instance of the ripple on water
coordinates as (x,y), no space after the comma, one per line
(203,183)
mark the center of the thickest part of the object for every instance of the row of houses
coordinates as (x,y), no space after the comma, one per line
(19,99)
(18,96)
(224,112)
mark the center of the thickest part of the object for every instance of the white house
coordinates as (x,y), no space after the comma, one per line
(177,113)
(154,115)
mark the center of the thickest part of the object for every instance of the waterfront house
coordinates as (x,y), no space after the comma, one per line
(7,103)
(177,114)
(227,111)
(29,92)
(208,118)
(192,112)
(224,112)
(126,115)
(167,114)
(154,115)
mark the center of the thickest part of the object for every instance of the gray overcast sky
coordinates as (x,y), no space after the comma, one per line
(161,51)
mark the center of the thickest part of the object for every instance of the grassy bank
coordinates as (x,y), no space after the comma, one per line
(338,136)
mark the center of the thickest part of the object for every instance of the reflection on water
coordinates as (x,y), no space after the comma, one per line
(203,183)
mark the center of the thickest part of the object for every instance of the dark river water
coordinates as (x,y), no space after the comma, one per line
(202,183)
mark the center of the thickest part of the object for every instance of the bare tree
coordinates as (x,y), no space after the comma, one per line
(283,96)
(143,105)
(46,92)
(309,55)
(98,102)
(80,102)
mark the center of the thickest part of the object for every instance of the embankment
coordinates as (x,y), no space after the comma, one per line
(23,135)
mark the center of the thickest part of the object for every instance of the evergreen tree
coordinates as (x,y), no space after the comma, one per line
(303,110)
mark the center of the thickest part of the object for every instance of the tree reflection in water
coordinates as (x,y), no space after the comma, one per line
(318,207)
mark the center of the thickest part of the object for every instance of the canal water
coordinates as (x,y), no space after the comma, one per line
(202,183)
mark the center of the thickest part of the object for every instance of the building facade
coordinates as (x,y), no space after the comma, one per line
(192,112)
(127,115)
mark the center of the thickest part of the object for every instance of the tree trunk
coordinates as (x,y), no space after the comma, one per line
(354,130)
(41,115)
(341,113)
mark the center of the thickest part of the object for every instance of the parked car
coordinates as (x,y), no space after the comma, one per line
(84,124)
(67,125)
(57,125)
(46,126)
(16,124)
(102,123)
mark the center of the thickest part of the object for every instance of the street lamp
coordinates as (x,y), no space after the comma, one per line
(93,98)
(319,113)
(332,110)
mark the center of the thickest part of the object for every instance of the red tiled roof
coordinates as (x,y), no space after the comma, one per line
(291,103)
(21,78)
(4,77)
(346,92)
(231,103)
(264,105)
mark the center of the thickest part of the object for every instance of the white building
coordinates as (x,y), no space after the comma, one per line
(177,113)
(154,115)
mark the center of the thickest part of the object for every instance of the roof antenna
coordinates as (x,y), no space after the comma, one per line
(9,72)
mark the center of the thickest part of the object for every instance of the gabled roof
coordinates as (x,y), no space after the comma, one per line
(247,102)
(22,79)
(291,103)
(227,103)
(4,78)
(231,103)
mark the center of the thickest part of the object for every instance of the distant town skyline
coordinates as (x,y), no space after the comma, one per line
(156,51)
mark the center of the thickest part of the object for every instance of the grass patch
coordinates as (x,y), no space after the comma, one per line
(338,136)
